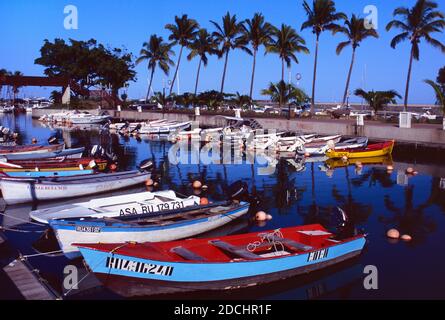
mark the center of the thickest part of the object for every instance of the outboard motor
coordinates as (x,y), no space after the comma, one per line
(341,225)
(138,127)
(238,191)
(146,165)
(97,151)
(53,140)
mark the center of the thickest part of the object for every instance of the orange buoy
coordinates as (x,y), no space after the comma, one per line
(113,167)
(389,168)
(344,158)
(393,234)
(269,217)
(203,201)
(406,237)
(34,140)
(197,184)
(409,170)
(261,216)
(307,154)
(149,182)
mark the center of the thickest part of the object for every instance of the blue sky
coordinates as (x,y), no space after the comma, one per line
(24,24)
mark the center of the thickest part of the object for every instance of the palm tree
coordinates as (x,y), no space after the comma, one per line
(322,16)
(286,43)
(183,32)
(355,30)
(284,93)
(440,94)
(258,33)
(228,35)
(15,89)
(418,22)
(157,53)
(203,44)
(241,101)
(377,99)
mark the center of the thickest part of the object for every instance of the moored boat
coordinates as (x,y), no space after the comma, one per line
(130,204)
(372,150)
(53,164)
(44,174)
(222,263)
(22,190)
(164,226)
(74,153)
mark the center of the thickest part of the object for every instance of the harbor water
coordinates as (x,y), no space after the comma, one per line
(294,193)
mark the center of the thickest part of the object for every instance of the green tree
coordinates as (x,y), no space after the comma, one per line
(355,31)
(257,33)
(378,99)
(284,93)
(417,23)
(158,54)
(203,45)
(229,36)
(241,101)
(183,32)
(286,42)
(321,17)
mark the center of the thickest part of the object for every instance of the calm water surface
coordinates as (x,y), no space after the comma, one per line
(374,200)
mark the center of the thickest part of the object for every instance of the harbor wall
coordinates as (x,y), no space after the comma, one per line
(422,134)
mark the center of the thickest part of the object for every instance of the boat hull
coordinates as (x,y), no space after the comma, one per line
(68,153)
(171,277)
(22,190)
(385,150)
(38,174)
(84,232)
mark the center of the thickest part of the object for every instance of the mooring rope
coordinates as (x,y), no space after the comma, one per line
(40,254)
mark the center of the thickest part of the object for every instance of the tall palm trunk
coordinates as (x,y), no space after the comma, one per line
(197,76)
(149,86)
(315,76)
(253,73)
(224,73)
(349,76)
(176,71)
(282,69)
(405,103)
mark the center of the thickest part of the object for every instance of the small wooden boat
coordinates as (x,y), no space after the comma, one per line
(74,153)
(129,204)
(164,128)
(44,174)
(339,163)
(222,263)
(372,150)
(165,226)
(5,150)
(22,190)
(53,164)
(318,149)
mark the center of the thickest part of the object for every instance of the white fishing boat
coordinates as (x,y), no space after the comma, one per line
(117,206)
(22,190)
(88,118)
(322,148)
(133,125)
(164,128)
(6,109)
(165,226)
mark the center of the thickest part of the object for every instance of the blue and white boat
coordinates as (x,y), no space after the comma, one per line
(74,153)
(39,174)
(163,226)
(222,263)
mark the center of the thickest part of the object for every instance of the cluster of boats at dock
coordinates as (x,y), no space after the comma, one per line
(135,243)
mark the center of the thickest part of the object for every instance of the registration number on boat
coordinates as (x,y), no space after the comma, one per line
(139,267)
(87,229)
(144,209)
(317,255)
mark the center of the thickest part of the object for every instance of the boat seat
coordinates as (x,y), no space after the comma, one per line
(292,244)
(187,254)
(240,252)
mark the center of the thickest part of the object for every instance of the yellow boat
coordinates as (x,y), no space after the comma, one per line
(339,163)
(372,150)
